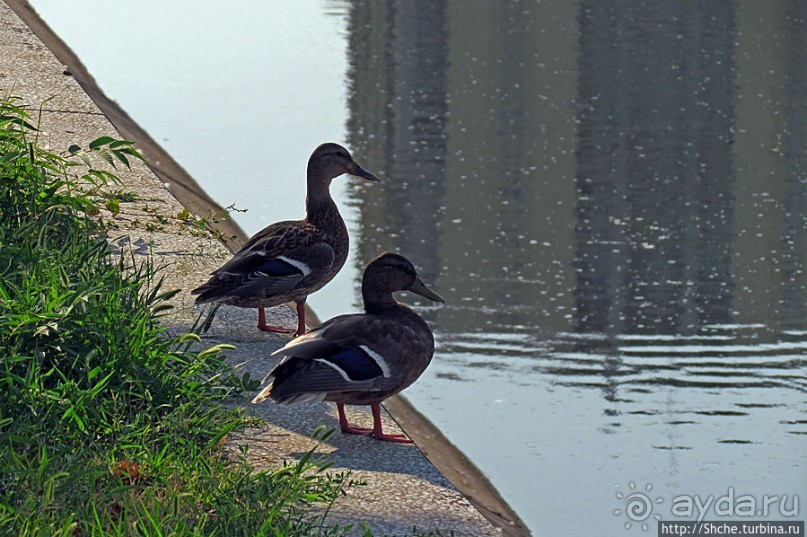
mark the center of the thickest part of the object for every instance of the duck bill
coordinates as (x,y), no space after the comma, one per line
(358,171)
(419,288)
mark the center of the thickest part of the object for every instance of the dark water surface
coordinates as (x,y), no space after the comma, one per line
(612,197)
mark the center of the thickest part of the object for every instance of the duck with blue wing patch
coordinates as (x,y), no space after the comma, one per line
(288,261)
(361,358)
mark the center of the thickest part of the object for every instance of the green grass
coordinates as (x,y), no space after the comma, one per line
(108,424)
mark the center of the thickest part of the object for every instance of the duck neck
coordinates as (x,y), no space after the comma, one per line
(319,206)
(377,301)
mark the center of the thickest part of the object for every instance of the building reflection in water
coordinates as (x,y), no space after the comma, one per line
(477,147)
(563,166)
(611,196)
(399,113)
(655,173)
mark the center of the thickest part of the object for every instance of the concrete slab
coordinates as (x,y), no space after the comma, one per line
(403,488)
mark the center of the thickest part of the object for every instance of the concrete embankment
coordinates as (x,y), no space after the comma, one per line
(404,489)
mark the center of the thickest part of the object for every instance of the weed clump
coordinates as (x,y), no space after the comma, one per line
(109,425)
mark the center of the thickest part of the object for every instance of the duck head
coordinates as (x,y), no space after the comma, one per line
(332,160)
(388,273)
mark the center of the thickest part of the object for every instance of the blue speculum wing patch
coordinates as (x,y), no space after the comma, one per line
(277,267)
(357,364)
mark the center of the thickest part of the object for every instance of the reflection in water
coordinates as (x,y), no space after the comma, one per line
(655,178)
(611,196)
(403,128)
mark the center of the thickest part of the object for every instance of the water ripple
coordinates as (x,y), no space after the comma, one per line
(741,356)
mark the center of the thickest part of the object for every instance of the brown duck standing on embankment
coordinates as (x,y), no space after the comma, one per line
(361,358)
(288,261)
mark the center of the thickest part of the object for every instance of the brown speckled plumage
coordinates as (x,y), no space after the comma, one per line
(289,260)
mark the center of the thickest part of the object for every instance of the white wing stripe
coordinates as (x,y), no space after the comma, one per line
(337,368)
(305,269)
(382,363)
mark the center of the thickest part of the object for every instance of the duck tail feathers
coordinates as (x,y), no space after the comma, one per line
(312,397)
(263,395)
(207,293)
(288,398)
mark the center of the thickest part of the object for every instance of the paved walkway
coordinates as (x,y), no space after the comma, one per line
(404,490)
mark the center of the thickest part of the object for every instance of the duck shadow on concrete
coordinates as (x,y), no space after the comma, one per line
(287,435)
(289,432)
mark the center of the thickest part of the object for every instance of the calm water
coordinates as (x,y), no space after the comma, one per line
(610,195)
